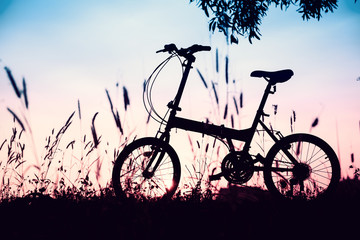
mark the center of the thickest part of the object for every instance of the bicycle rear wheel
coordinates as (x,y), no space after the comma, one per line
(130,176)
(315,174)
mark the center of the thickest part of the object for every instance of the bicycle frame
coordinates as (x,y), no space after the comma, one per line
(229,134)
(309,164)
(244,135)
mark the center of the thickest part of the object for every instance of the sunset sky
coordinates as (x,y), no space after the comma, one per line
(73,50)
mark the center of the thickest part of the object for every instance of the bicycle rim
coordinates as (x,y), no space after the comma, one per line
(315,175)
(129,178)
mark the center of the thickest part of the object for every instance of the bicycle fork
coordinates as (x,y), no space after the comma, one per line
(153,154)
(165,136)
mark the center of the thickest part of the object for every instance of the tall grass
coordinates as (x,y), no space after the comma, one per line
(227,107)
(207,151)
(64,169)
(73,169)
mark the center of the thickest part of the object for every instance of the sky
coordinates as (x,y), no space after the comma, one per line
(71,51)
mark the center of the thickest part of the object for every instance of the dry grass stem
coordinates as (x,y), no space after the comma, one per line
(115,115)
(236,106)
(215,93)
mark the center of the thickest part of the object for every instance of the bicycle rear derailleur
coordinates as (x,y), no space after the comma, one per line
(236,167)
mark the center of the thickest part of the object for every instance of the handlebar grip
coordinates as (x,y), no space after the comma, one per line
(206,48)
(198,48)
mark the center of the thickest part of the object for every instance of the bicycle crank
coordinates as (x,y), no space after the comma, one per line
(237,167)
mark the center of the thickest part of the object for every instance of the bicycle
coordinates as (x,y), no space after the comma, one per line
(296,166)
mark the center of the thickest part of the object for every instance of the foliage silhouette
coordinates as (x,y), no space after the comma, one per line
(243,17)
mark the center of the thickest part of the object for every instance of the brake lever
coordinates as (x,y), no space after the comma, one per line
(168,48)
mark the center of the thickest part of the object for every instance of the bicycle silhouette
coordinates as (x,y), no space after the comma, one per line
(296,166)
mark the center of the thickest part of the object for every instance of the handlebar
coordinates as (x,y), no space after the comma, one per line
(184,52)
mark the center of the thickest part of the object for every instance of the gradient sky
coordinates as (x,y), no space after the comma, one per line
(72,50)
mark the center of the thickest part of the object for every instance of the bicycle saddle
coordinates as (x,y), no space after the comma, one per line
(274,77)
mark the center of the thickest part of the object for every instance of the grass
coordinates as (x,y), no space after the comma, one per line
(72,167)
(246,217)
(60,196)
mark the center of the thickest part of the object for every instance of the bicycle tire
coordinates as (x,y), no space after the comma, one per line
(317,174)
(128,179)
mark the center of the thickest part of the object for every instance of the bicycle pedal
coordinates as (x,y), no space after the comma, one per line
(215,177)
(259,158)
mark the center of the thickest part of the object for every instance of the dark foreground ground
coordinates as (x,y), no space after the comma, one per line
(244,216)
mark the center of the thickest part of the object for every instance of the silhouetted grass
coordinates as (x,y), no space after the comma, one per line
(202,78)
(59,170)
(17,119)
(13,83)
(115,112)
(66,207)
(241,217)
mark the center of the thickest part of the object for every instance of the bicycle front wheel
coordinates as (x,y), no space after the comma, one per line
(146,169)
(315,172)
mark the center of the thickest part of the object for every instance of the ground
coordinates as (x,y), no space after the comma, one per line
(253,214)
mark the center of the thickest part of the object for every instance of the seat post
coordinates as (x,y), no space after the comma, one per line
(260,110)
(259,113)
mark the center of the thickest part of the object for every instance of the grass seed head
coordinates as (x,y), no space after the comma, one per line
(226,111)
(227,70)
(315,123)
(26,100)
(126,98)
(241,100)
(93,132)
(12,81)
(217,60)
(17,119)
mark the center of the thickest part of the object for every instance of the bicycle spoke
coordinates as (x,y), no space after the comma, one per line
(138,179)
(313,160)
(315,173)
(322,176)
(280,169)
(320,182)
(320,164)
(323,169)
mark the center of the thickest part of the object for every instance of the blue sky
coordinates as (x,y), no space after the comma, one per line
(70,50)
